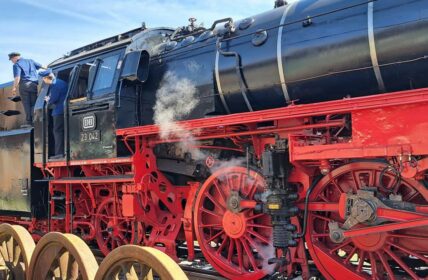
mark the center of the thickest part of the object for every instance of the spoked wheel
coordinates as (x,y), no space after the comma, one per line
(234,239)
(389,255)
(133,262)
(64,257)
(16,248)
(114,230)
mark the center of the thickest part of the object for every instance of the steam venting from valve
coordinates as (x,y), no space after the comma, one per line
(175,100)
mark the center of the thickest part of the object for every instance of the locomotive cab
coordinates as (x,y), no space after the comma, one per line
(105,92)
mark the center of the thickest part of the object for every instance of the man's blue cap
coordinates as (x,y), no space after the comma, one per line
(45,73)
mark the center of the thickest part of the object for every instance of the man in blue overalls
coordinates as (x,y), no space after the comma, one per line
(25,76)
(57,94)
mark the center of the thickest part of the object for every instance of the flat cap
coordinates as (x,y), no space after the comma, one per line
(45,73)
(13,54)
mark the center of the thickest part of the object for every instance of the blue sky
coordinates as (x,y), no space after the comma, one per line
(47,29)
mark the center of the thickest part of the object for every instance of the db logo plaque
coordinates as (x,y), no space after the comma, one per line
(89,122)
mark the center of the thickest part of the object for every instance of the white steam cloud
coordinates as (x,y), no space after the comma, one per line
(176,99)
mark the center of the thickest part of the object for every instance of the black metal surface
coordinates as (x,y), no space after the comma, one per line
(19,192)
(324,50)
(97,142)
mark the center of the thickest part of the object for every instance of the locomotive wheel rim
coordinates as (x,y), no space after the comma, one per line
(16,248)
(114,230)
(136,262)
(363,257)
(62,256)
(238,248)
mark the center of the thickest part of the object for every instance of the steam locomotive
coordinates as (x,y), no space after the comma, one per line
(276,142)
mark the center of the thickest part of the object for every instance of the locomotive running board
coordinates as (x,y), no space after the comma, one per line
(293,111)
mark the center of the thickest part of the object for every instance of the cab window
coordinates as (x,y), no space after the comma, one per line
(106,73)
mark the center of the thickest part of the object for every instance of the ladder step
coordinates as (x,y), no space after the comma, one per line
(58,217)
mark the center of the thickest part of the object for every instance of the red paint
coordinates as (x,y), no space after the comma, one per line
(349,141)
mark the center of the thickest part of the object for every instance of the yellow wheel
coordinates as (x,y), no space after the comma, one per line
(62,257)
(133,262)
(16,248)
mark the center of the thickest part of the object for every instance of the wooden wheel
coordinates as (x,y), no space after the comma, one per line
(133,262)
(16,248)
(63,257)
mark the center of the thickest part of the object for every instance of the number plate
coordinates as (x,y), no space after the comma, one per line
(90,136)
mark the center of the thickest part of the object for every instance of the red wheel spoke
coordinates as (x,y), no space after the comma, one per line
(240,181)
(386,266)
(323,198)
(240,255)
(334,182)
(249,254)
(255,246)
(397,235)
(220,191)
(220,207)
(230,251)
(372,178)
(373,266)
(425,259)
(229,182)
(350,255)
(401,264)
(215,236)
(356,179)
(223,245)
(122,238)
(258,236)
(259,226)
(255,216)
(362,256)
(252,190)
(211,213)
(347,242)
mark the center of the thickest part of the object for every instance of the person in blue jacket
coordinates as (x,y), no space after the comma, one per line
(25,76)
(57,94)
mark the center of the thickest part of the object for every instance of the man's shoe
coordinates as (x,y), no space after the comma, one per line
(15,98)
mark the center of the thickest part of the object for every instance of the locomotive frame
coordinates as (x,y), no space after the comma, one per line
(311,153)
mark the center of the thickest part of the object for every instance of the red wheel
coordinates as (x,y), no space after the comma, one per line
(237,242)
(391,255)
(114,230)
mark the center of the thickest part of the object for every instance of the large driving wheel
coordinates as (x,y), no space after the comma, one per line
(16,248)
(64,257)
(113,229)
(389,255)
(135,262)
(237,241)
